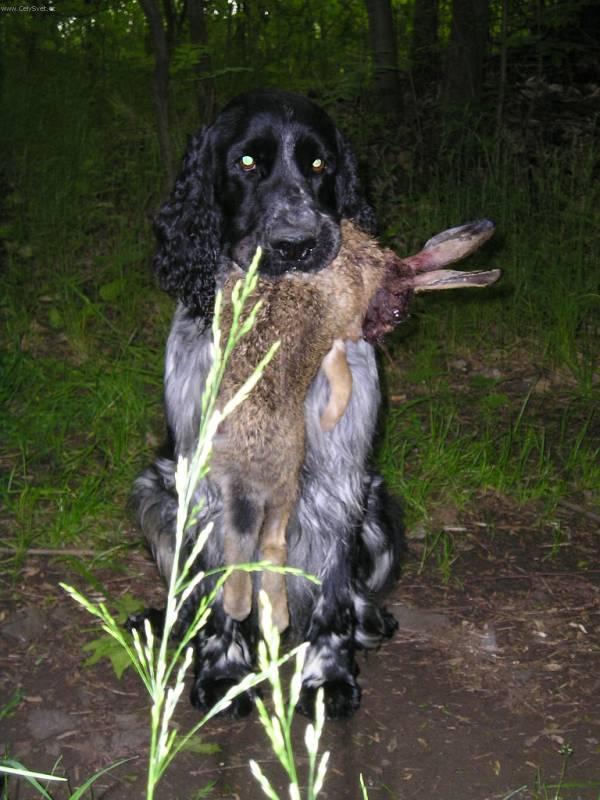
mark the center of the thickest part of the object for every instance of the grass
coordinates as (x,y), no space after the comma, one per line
(455,437)
(162,665)
(562,789)
(39,781)
(82,327)
(439,547)
(549,298)
(82,342)
(163,672)
(75,438)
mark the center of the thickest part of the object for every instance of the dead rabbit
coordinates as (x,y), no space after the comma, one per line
(259,448)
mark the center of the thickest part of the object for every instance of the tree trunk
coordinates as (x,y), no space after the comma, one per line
(466,54)
(171,24)
(385,59)
(160,85)
(503,70)
(424,50)
(205,85)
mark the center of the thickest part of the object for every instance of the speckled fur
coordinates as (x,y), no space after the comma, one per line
(344,528)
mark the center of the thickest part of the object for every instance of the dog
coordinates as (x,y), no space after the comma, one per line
(273,171)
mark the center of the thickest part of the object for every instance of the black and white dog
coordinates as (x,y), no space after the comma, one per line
(274,171)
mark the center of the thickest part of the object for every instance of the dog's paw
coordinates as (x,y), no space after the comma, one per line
(390,623)
(341,699)
(137,622)
(207,692)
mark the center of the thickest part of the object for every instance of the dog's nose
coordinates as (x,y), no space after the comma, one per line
(293,245)
(294,234)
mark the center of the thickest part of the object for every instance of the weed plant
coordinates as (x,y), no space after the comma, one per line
(563,789)
(40,781)
(162,670)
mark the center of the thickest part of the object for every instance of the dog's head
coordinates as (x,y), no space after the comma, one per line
(271,171)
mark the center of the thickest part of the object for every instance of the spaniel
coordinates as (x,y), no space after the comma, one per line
(273,171)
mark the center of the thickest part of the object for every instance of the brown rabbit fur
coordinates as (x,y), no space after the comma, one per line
(259,449)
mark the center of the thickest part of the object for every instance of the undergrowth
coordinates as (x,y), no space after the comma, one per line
(83,326)
(451,443)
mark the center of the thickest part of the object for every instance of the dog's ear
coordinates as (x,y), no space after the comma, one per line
(188,229)
(352,203)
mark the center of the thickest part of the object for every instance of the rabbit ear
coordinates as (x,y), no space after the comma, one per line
(351,201)
(451,279)
(188,229)
(451,245)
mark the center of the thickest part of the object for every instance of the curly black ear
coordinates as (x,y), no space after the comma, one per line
(188,229)
(352,203)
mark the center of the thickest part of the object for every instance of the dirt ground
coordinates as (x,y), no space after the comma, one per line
(492,678)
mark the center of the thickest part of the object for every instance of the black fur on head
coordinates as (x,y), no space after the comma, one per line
(271,171)
(188,229)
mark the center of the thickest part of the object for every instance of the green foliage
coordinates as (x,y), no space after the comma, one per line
(447,445)
(82,328)
(277,723)
(563,789)
(78,431)
(196,744)
(363,789)
(105,645)
(549,293)
(439,547)
(11,704)
(10,767)
(162,670)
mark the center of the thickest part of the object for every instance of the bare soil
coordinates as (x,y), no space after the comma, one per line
(491,679)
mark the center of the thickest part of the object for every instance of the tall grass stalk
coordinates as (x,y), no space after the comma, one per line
(363,788)
(161,671)
(278,723)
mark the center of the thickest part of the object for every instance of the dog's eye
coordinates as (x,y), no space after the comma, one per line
(318,165)
(247,163)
